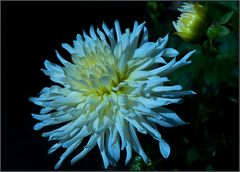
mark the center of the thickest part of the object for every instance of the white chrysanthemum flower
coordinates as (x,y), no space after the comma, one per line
(113,87)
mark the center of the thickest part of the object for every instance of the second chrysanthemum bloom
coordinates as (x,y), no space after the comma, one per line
(192,22)
(114,86)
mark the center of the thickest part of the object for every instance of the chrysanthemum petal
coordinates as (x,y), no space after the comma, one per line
(136,145)
(167,88)
(137,125)
(145,50)
(145,36)
(69,150)
(92,32)
(62,60)
(109,35)
(164,148)
(134,38)
(101,146)
(85,131)
(113,145)
(157,102)
(175,94)
(79,38)
(161,43)
(68,48)
(170,52)
(129,153)
(118,30)
(91,143)
(120,127)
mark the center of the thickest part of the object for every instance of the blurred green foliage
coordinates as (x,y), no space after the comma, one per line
(210,142)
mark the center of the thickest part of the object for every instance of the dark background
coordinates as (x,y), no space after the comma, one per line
(31,31)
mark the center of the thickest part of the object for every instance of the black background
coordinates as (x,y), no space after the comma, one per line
(31,31)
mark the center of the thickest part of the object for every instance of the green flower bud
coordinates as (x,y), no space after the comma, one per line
(192,23)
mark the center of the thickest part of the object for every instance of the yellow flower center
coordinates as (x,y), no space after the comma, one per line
(96,73)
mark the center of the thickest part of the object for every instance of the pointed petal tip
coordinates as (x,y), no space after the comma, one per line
(33,115)
(31,99)
(193,92)
(73,161)
(193,51)
(59,163)
(144,22)
(38,126)
(56,167)
(106,165)
(164,149)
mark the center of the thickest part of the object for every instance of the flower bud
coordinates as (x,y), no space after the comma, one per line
(192,23)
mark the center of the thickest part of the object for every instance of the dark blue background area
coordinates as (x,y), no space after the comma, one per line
(31,31)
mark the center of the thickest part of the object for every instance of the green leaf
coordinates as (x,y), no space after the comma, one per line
(226,18)
(217,31)
(212,32)
(222,31)
(137,164)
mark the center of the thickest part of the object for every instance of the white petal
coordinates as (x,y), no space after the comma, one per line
(79,38)
(101,146)
(156,80)
(164,148)
(151,130)
(167,88)
(55,147)
(170,52)
(159,59)
(85,131)
(102,36)
(118,30)
(79,51)
(170,116)
(162,42)
(129,153)
(145,50)
(66,153)
(92,32)
(135,34)
(183,60)
(63,61)
(109,34)
(145,37)
(161,70)
(175,94)
(122,64)
(157,102)
(68,48)
(120,127)
(113,145)
(106,123)
(136,145)
(91,143)
(178,64)
(125,40)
